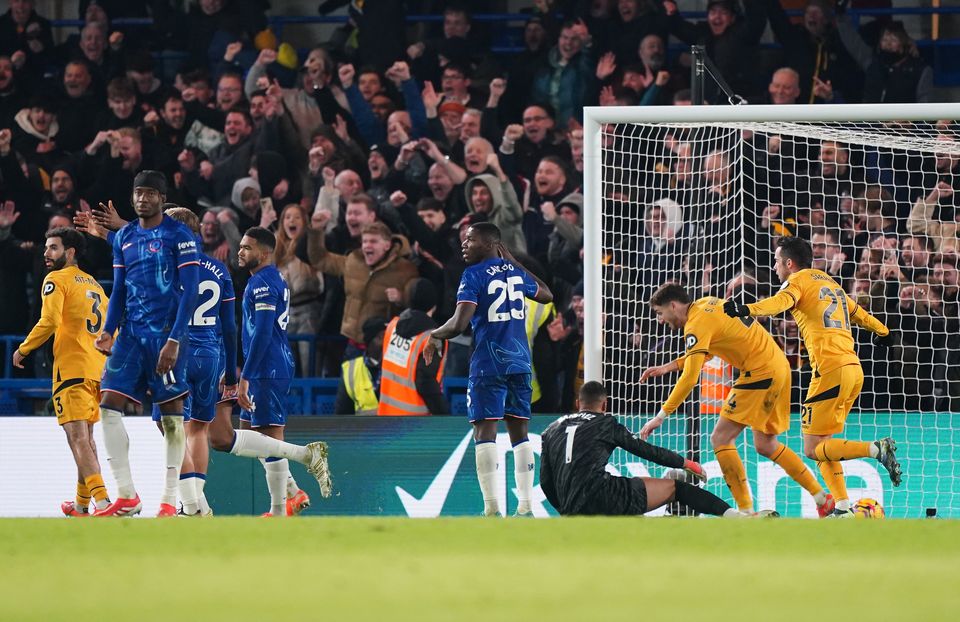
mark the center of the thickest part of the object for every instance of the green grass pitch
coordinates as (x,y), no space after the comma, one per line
(476,569)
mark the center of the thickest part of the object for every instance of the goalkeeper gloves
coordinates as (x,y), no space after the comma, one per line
(694,470)
(886,341)
(736,309)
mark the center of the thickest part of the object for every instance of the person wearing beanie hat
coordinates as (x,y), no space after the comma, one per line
(359,389)
(155,257)
(409,385)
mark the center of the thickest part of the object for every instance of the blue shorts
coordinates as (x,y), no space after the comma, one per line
(203,378)
(132,369)
(493,397)
(269,397)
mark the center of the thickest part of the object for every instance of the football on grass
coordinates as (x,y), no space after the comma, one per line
(868,508)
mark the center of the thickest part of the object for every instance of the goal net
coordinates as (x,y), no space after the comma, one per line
(700,195)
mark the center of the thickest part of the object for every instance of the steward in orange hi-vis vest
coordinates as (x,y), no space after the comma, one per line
(408,386)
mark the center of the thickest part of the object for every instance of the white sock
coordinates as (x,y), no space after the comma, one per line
(277,485)
(117,444)
(843,504)
(250,444)
(175,444)
(188,494)
(292,488)
(874,450)
(487,476)
(202,505)
(523,463)
(102,503)
(820,498)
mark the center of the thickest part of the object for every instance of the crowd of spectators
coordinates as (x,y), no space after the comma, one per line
(371,153)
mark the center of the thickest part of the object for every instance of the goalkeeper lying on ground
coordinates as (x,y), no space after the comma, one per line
(574,457)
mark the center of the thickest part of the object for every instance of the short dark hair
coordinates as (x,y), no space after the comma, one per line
(198,74)
(231,74)
(487,230)
(460,68)
(429,204)
(171,94)
(925,240)
(71,238)
(263,237)
(367,200)
(797,250)
(669,292)
(244,111)
(121,88)
(549,110)
(592,392)
(556,161)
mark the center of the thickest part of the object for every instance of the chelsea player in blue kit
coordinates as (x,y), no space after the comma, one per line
(490,299)
(212,356)
(266,374)
(155,276)
(212,359)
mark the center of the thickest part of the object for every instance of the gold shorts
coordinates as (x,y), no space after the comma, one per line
(760,401)
(77,399)
(829,400)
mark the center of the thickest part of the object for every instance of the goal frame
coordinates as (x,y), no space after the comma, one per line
(595,116)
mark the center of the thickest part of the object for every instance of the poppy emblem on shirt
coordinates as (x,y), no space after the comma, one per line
(154,246)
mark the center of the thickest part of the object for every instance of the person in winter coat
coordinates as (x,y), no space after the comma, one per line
(374,275)
(566,239)
(567,76)
(895,72)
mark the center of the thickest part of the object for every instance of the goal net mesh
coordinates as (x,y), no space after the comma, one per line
(703,205)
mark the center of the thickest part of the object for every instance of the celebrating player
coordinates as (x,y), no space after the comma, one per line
(760,398)
(573,463)
(73,305)
(267,370)
(212,354)
(155,273)
(823,312)
(490,299)
(216,292)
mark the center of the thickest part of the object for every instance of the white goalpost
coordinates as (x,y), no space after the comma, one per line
(699,194)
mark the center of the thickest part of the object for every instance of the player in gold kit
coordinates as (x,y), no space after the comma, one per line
(760,398)
(823,313)
(73,308)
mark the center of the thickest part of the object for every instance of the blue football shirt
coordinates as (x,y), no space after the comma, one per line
(266,312)
(216,287)
(498,288)
(151,259)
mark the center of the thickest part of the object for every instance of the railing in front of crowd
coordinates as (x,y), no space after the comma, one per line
(309,395)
